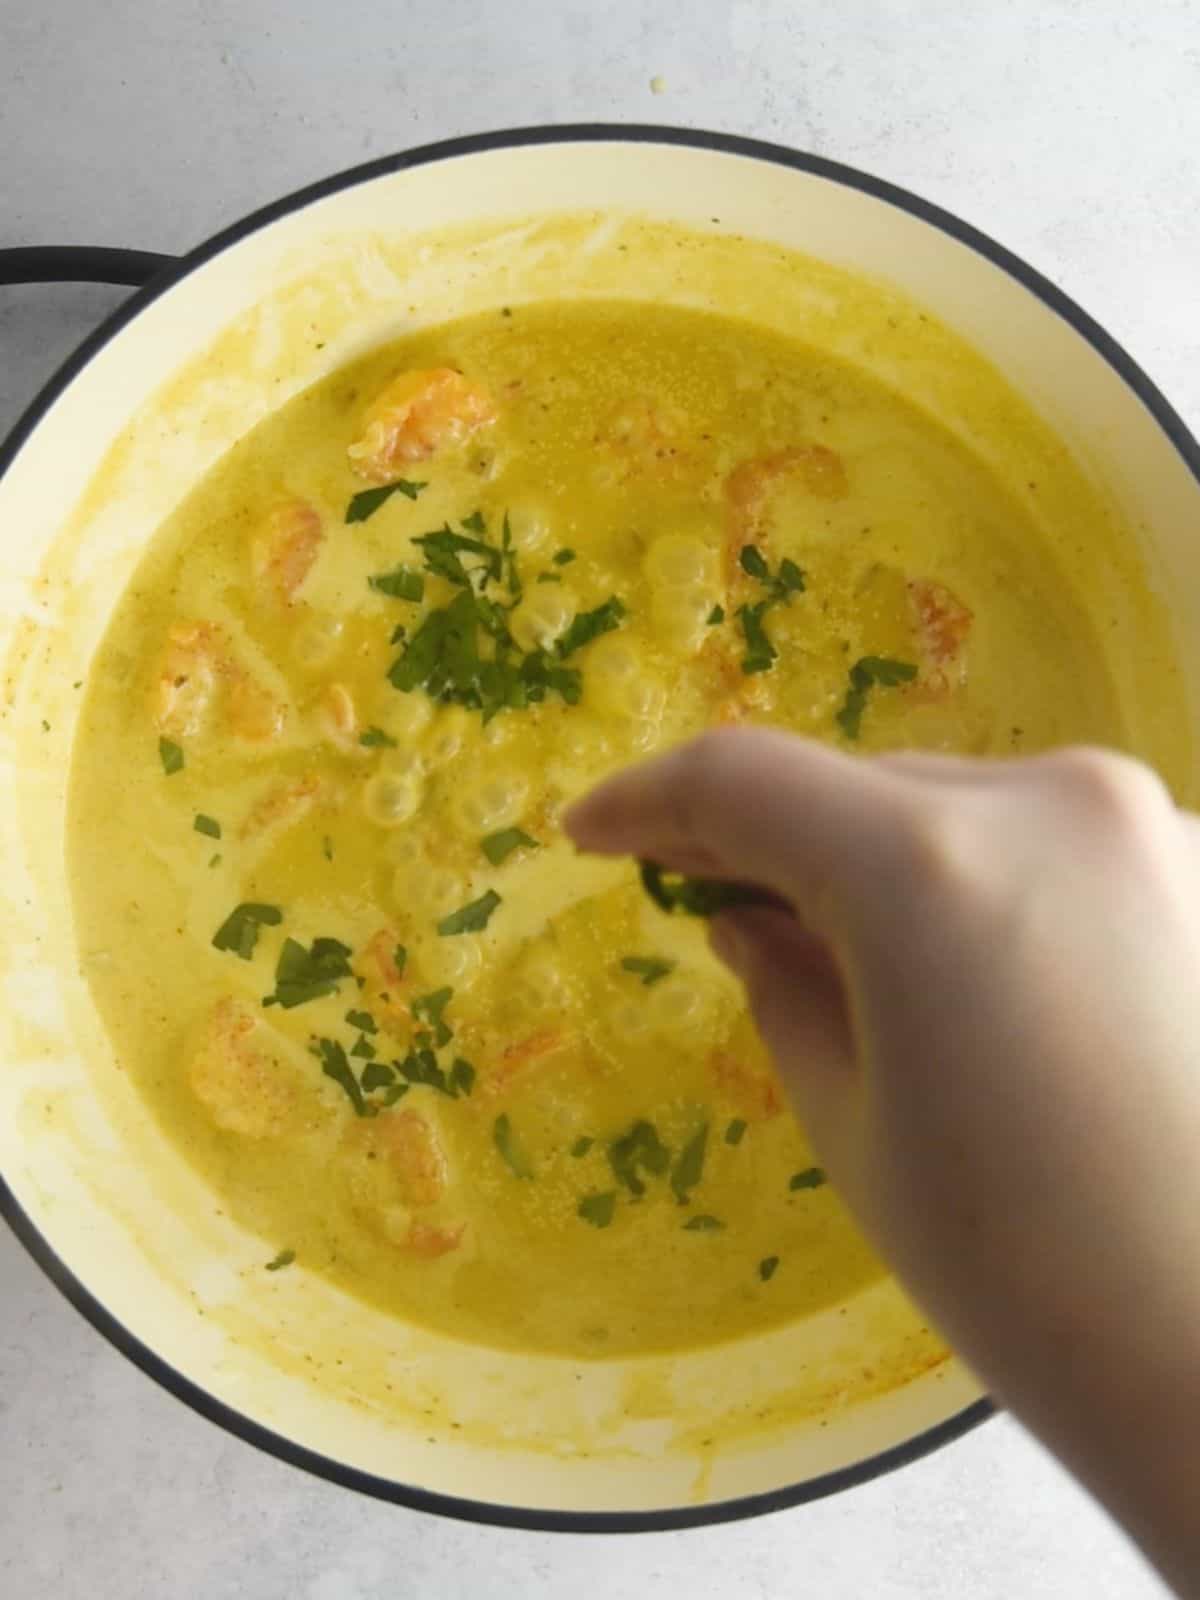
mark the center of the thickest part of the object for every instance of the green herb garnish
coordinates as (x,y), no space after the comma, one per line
(640,1148)
(171,756)
(401,583)
(563,557)
(648,968)
(766,1268)
(302,975)
(363,1021)
(549,577)
(368,501)
(462,1076)
(703,1224)
(363,1049)
(696,897)
(239,931)
(689,1165)
(497,847)
(582,1146)
(867,673)
(588,625)
(379,1075)
(207,825)
(510,1148)
(283,1259)
(335,1065)
(400,960)
(430,1008)
(421,1067)
(717,614)
(327,848)
(375,738)
(598,1209)
(735,1131)
(761,654)
(810,1178)
(471,918)
(445,548)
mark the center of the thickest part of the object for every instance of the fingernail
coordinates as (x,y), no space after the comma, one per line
(728,943)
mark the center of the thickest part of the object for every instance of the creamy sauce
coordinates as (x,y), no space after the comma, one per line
(657,447)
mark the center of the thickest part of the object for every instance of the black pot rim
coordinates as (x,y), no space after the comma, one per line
(60,1274)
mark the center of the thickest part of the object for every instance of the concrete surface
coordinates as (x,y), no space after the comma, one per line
(1072,132)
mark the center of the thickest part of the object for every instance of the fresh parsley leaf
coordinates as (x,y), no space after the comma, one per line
(563,558)
(766,1268)
(717,614)
(421,1067)
(471,918)
(696,897)
(588,625)
(510,1148)
(475,522)
(689,1165)
(239,931)
(375,738)
(462,1076)
(171,757)
(754,563)
(497,847)
(302,975)
(363,1021)
(638,1151)
(761,654)
(400,960)
(444,549)
(509,559)
(648,968)
(598,1209)
(430,1008)
(363,1049)
(810,1178)
(865,674)
(368,501)
(207,825)
(378,1075)
(582,1146)
(735,1132)
(791,577)
(401,583)
(335,1065)
(703,1224)
(283,1259)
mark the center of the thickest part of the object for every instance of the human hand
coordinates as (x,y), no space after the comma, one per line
(982,989)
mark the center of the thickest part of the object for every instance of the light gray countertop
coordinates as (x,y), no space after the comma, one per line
(1071,131)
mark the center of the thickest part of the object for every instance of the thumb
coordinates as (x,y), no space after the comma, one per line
(798,1002)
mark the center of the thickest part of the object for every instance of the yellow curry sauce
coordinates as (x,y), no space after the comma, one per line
(332,925)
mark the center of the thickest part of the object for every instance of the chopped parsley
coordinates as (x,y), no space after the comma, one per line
(283,1259)
(171,756)
(761,654)
(588,625)
(867,673)
(735,1132)
(335,1065)
(648,968)
(368,501)
(421,1067)
(363,1021)
(497,847)
(239,931)
(582,1146)
(696,897)
(302,975)
(637,1152)
(401,583)
(363,1049)
(689,1165)
(510,1148)
(598,1209)
(375,738)
(207,825)
(431,1008)
(444,550)
(703,1224)
(717,614)
(766,1268)
(810,1178)
(379,1075)
(400,960)
(563,558)
(471,918)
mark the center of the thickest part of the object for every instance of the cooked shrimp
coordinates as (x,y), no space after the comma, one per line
(942,623)
(428,1241)
(284,548)
(398,1160)
(196,664)
(283,804)
(383,981)
(748,489)
(646,437)
(417,414)
(521,1054)
(240,1079)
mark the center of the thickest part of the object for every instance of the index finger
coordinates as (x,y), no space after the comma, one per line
(768,808)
